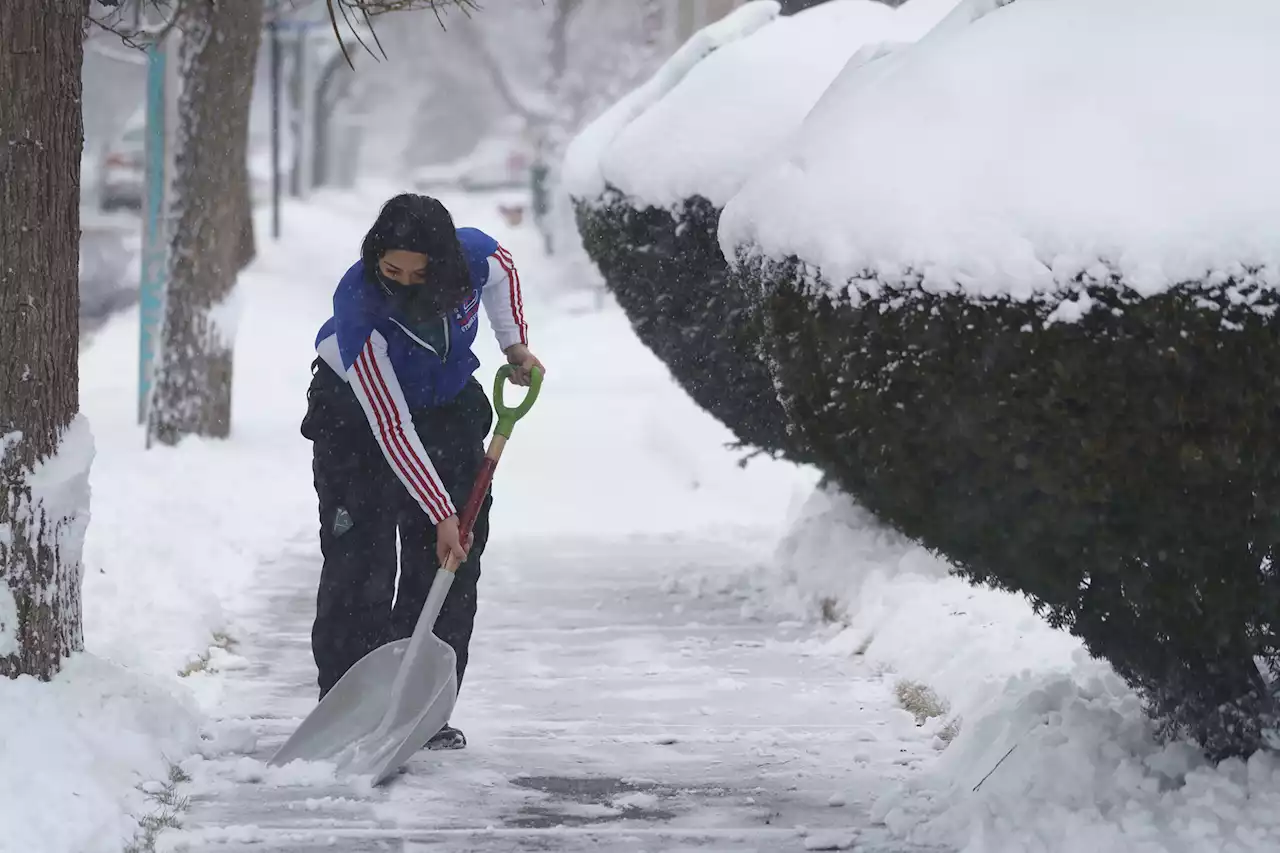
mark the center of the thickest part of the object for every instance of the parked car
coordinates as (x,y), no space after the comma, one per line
(121,169)
(110,246)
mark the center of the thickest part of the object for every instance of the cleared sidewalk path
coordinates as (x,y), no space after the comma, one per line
(603,713)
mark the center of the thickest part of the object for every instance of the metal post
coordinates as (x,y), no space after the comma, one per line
(297,111)
(154,265)
(274,28)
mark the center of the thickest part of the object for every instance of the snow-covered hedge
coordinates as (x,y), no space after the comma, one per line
(668,277)
(1053,752)
(1019,288)
(648,179)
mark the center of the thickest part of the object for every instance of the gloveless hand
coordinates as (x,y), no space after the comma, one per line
(449,543)
(523,359)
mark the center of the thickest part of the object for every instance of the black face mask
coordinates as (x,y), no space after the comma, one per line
(416,305)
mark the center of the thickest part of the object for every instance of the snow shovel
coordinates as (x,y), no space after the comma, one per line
(395,698)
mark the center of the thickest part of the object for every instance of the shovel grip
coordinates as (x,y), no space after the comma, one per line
(467,521)
(507,417)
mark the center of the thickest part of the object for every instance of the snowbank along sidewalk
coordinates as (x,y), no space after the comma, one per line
(175,540)
(1048,751)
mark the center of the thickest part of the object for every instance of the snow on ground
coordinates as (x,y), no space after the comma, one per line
(74,751)
(1085,774)
(706,121)
(1107,145)
(180,539)
(604,711)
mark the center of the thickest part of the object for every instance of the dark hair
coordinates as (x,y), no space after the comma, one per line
(419,223)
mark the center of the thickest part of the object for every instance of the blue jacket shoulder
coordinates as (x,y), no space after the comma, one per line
(476,243)
(477,246)
(354,314)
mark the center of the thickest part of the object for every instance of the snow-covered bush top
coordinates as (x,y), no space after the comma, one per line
(582,177)
(1015,151)
(708,117)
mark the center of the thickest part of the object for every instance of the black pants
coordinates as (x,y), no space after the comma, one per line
(363,505)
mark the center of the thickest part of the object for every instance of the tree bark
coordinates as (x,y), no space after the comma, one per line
(218,53)
(42,508)
(248,249)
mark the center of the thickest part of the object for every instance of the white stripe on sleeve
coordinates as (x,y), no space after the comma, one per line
(383,401)
(503,301)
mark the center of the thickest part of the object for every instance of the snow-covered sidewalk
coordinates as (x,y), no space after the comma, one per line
(615,483)
(605,704)
(635,681)
(605,710)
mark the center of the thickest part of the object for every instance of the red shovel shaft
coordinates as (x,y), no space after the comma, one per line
(507,418)
(479,491)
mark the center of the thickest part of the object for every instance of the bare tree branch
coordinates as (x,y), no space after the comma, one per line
(560,37)
(366,9)
(125,20)
(381,7)
(558,61)
(103,48)
(494,71)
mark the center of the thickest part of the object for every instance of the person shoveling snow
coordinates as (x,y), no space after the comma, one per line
(398,422)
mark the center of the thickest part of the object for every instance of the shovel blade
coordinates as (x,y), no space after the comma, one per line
(362,728)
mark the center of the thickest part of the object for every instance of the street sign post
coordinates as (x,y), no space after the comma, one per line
(154,267)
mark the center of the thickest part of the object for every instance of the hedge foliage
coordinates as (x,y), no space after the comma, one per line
(1123,470)
(667,272)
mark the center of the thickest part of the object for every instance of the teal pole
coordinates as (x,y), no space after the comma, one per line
(154,266)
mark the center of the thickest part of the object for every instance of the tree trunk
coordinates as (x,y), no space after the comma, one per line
(655,26)
(248,240)
(43,459)
(217,55)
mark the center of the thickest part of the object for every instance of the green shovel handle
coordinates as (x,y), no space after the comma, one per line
(508,415)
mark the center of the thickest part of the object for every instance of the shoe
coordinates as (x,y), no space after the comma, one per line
(447,738)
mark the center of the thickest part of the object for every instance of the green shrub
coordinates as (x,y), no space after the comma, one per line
(1122,471)
(668,274)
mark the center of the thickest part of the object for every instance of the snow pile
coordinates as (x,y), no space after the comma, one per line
(178,533)
(60,486)
(705,129)
(76,750)
(91,741)
(59,493)
(1013,151)
(174,536)
(581,175)
(1085,774)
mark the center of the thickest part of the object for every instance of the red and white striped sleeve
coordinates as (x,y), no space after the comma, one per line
(503,301)
(379,393)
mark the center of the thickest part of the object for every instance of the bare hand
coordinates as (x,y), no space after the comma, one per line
(520,356)
(448,542)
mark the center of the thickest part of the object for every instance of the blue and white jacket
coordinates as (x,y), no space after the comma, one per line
(394,372)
